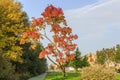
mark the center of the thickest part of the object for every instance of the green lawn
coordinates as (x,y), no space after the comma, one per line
(70,76)
(118,76)
(57,76)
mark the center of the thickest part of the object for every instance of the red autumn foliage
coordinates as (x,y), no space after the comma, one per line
(41,55)
(52,13)
(61,48)
(38,21)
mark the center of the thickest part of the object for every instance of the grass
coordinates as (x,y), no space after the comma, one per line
(58,76)
(118,76)
(70,76)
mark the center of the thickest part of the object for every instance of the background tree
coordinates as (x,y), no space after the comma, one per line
(61,47)
(106,55)
(12,22)
(110,52)
(31,63)
(18,62)
(6,69)
(101,57)
(117,55)
(78,61)
(84,62)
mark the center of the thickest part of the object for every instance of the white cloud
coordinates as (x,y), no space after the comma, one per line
(95,24)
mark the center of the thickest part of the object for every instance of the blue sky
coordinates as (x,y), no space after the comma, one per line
(35,7)
(96,22)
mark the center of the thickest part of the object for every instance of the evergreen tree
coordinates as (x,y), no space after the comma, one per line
(32,63)
(78,61)
(84,62)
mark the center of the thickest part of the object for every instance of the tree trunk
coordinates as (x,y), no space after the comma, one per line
(63,72)
(76,69)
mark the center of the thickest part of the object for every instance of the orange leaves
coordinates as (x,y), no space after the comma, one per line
(71,47)
(33,46)
(75,36)
(51,11)
(71,37)
(58,39)
(34,35)
(56,28)
(63,60)
(59,29)
(42,54)
(63,37)
(22,41)
(31,35)
(50,48)
(72,56)
(38,22)
(53,14)
(62,46)
(60,55)
(66,30)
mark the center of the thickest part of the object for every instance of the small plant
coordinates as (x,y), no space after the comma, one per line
(98,72)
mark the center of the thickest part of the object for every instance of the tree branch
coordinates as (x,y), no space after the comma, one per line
(52,60)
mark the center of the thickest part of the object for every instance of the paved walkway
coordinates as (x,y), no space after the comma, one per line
(40,77)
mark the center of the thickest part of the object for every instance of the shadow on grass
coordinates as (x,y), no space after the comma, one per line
(58,76)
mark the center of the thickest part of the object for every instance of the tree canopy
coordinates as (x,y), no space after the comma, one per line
(79,61)
(12,23)
(17,60)
(61,47)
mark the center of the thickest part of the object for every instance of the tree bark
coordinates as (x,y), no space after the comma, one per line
(63,71)
(76,69)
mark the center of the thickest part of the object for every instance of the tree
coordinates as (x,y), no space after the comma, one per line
(106,55)
(101,57)
(12,23)
(84,62)
(61,47)
(110,53)
(78,61)
(32,63)
(51,67)
(6,69)
(117,55)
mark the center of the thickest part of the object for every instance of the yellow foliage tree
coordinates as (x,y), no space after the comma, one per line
(12,23)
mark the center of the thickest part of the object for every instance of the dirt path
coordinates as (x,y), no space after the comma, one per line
(40,77)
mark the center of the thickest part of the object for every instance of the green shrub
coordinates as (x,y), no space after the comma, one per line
(98,72)
(20,76)
(25,76)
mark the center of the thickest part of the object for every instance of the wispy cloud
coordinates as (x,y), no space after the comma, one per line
(96,24)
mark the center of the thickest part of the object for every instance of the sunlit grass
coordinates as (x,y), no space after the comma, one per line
(58,76)
(118,76)
(70,76)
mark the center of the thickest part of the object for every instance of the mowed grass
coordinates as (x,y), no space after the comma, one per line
(70,76)
(118,76)
(58,76)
